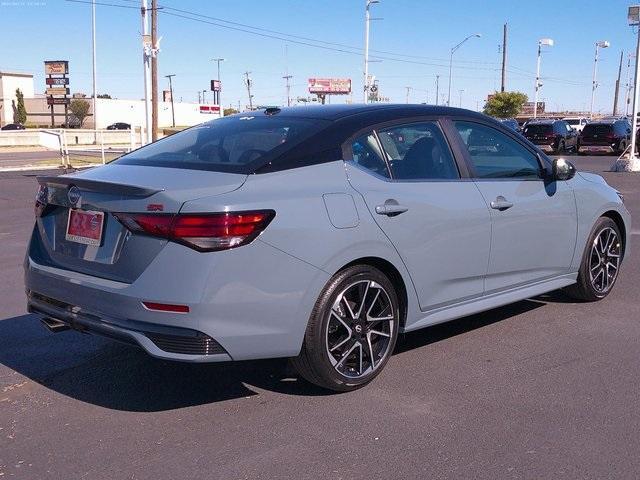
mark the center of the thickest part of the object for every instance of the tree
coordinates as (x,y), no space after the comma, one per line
(103,95)
(80,109)
(20,112)
(505,104)
(229,111)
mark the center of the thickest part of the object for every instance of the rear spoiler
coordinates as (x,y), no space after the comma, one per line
(100,186)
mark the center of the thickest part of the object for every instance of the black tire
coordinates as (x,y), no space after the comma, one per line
(314,363)
(561,147)
(622,147)
(585,289)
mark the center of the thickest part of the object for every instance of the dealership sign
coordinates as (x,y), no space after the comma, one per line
(58,91)
(56,67)
(57,81)
(330,86)
(216,85)
(209,109)
(58,101)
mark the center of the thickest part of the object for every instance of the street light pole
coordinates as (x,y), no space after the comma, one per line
(594,84)
(453,50)
(93,40)
(146,56)
(546,42)
(173,115)
(437,88)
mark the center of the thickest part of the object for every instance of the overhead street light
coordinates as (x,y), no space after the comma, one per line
(543,42)
(594,85)
(453,50)
(632,164)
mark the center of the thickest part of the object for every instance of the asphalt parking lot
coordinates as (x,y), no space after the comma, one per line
(544,388)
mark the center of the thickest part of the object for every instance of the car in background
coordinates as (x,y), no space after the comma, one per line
(119,126)
(605,136)
(577,123)
(511,123)
(317,233)
(12,126)
(551,136)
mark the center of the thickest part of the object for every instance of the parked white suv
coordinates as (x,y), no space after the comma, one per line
(576,123)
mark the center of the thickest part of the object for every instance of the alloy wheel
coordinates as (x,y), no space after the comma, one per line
(604,260)
(360,329)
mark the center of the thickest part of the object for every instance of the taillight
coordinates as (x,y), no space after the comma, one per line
(41,200)
(205,232)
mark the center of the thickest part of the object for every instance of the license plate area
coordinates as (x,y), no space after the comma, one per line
(85,226)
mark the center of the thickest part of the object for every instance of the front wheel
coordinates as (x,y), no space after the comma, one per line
(352,330)
(600,262)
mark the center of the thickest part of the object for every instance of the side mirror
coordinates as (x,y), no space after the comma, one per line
(562,169)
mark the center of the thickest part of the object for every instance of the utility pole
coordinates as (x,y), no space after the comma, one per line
(93,40)
(249,82)
(504,58)
(408,92)
(628,93)
(204,92)
(617,92)
(288,86)
(173,115)
(147,48)
(154,71)
(367,22)
(437,88)
(199,96)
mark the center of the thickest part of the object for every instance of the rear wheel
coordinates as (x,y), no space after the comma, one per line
(622,147)
(561,147)
(600,262)
(352,330)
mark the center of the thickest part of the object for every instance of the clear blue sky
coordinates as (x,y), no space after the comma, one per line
(422,30)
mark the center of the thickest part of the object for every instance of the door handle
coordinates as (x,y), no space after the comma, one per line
(391,209)
(501,203)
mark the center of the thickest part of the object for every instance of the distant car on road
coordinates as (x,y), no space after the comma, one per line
(511,123)
(577,123)
(13,126)
(119,126)
(551,136)
(605,136)
(318,233)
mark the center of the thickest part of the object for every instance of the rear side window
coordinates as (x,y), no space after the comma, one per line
(496,155)
(235,144)
(418,151)
(367,154)
(538,129)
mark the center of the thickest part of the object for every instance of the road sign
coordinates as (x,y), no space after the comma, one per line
(216,85)
(57,81)
(58,101)
(58,91)
(330,86)
(56,67)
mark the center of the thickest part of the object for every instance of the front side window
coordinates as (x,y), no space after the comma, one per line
(418,151)
(496,155)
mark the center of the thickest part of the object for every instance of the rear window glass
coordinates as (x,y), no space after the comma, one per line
(597,129)
(237,144)
(538,129)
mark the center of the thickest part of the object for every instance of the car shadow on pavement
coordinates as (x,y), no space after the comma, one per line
(120,377)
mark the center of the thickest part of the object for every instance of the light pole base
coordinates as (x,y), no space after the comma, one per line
(626,163)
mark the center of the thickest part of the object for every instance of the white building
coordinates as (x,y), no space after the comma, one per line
(9,82)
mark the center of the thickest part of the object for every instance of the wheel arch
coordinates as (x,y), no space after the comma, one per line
(619,221)
(393,274)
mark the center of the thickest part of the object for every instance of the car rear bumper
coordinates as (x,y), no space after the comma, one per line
(595,149)
(247,303)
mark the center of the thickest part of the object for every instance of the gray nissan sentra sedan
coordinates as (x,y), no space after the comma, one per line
(317,233)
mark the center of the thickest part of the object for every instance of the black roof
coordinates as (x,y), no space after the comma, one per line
(336,112)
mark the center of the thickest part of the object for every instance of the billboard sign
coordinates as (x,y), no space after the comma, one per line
(58,101)
(57,81)
(527,108)
(330,86)
(56,67)
(58,91)
(216,85)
